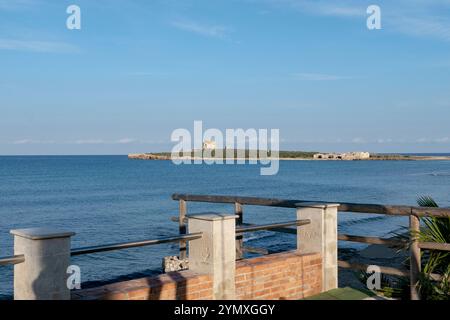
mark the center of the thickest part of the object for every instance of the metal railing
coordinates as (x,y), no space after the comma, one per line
(272,226)
(414,214)
(134,244)
(395,210)
(11,260)
(4,261)
(111,246)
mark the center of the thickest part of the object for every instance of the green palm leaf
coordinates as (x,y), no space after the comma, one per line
(434,230)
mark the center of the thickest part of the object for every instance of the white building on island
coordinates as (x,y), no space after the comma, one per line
(209,145)
(342,156)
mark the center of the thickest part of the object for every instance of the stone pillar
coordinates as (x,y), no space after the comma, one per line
(320,236)
(215,252)
(47,255)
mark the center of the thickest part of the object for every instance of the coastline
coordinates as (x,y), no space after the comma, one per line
(164,156)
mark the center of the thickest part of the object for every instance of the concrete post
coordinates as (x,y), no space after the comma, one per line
(43,274)
(215,252)
(320,236)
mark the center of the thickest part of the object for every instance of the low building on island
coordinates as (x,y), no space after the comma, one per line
(342,156)
(209,145)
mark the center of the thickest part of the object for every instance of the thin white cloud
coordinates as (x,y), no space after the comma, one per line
(319,77)
(435,27)
(358,140)
(382,141)
(418,18)
(126,141)
(90,141)
(37,46)
(324,7)
(31,141)
(17,4)
(101,141)
(215,31)
(334,9)
(433,140)
(122,141)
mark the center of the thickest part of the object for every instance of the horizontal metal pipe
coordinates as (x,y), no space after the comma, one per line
(134,244)
(273,226)
(12,260)
(281,230)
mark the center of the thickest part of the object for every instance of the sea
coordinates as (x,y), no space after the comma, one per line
(110,199)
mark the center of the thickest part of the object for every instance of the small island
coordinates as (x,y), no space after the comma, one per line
(290,155)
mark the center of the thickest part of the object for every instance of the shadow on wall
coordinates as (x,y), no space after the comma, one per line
(161,290)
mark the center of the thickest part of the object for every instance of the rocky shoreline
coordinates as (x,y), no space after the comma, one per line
(147,156)
(166,156)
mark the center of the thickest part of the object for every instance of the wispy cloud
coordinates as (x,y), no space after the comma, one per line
(319,77)
(37,46)
(31,141)
(368,141)
(90,141)
(434,27)
(215,31)
(433,140)
(384,140)
(17,4)
(101,141)
(359,140)
(126,141)
(93,141)
(324,7)
(419,18)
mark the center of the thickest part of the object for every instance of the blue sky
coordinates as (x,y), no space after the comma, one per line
(139,69)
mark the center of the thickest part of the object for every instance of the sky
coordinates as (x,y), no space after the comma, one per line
(139,69)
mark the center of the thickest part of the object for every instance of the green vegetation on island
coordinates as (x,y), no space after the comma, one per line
(282,155)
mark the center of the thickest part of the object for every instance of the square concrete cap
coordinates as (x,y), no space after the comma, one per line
(212,216)
(321,205)
(41,233)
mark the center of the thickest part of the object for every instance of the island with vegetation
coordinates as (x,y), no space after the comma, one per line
(285,155)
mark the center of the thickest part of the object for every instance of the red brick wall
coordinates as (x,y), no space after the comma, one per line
(184,285)
(287,275)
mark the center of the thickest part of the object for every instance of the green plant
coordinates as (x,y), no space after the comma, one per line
(434,230)
(390,286)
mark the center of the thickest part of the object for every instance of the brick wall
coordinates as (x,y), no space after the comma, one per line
(184,285)
(287,275)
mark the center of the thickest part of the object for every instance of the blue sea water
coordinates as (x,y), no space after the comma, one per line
(107,199)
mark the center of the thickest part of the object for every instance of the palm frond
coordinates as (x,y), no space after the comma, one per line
(434,230)
(427,201)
